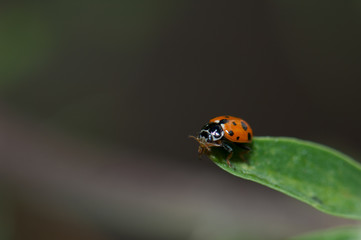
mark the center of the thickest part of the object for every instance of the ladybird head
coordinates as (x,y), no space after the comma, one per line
(211,132)
(208,137)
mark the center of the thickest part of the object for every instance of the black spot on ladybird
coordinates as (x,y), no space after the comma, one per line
(244,125)
(223,121)
(237,138)
(249,136)
(231,133)
(235,124)
(226,116)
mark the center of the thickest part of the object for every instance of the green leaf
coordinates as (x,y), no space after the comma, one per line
(341,233)
(315,174)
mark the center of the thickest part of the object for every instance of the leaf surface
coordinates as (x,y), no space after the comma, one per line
(315,174)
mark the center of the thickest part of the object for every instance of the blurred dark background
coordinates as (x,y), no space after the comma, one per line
(97,100)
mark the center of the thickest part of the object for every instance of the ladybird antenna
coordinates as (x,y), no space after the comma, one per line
(195,138)
(190,136)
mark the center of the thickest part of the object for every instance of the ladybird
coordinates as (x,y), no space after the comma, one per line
(224,131)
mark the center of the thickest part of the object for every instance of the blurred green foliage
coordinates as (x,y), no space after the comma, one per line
(26,43)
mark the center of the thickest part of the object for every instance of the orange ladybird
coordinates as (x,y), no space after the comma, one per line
(235,129)
(223,130)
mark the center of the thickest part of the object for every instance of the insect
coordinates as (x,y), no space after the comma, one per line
(224,131)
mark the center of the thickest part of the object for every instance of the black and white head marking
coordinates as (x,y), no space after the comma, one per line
(211,132)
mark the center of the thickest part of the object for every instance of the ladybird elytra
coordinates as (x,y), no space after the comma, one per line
(235,129)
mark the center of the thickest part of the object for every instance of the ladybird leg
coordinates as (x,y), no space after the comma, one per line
(201,150)
(228,158)
(246,149)
(229,149)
